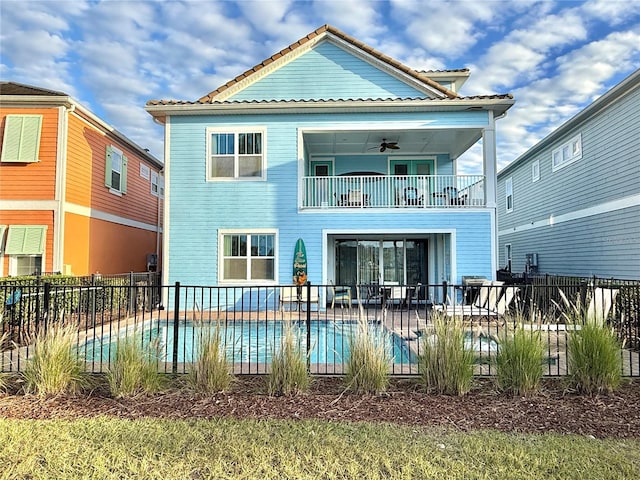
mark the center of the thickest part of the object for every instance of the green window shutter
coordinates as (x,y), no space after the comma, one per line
(21,141)
(123,175)
(107,168)
(2,229)
(26,240)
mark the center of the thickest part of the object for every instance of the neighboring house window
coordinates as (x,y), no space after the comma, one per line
(115,170)
(154,184)
(535,171)
(145,171)
(508,191)
(567,153)
(236,155)
(157,184)
(25,247)
(248,256)
(21,141)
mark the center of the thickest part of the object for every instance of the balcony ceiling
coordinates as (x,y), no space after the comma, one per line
(411,142)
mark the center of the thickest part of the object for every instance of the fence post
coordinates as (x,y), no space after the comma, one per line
(46,303)
(444,292)
(176,325)
(308,287)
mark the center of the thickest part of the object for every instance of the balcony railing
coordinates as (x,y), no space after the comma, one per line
(383,191)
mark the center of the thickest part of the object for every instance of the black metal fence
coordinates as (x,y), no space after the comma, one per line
(169,320)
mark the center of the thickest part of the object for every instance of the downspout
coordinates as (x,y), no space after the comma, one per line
(61,188)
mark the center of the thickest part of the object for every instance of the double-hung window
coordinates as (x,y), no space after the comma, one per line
(248,256)
(115,176)
(236,154)
(508,193)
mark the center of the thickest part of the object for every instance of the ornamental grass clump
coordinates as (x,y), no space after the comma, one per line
(54,368)
(288,374)
(210,372)
(446,366)
(520,359)
(593,353)
(134,370)
(370,356)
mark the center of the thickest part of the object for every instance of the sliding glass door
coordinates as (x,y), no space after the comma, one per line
(385,261)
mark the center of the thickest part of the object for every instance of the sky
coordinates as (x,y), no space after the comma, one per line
(112,56)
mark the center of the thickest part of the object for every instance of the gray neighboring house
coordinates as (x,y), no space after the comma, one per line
(570,205)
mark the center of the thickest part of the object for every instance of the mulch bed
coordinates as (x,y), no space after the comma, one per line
(554,409)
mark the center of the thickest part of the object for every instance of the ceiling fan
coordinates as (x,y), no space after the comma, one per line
(391,145)
(384,145)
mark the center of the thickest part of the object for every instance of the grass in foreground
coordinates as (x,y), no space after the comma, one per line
(250,449)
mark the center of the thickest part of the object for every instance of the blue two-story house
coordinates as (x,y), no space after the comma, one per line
(338,144)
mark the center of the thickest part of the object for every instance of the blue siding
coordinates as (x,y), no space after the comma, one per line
(327,72)
(198,209)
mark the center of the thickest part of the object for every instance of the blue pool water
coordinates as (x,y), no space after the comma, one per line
(249,342)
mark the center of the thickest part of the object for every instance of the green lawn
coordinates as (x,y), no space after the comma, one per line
(248,449)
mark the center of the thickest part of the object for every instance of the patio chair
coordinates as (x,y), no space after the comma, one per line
(487,302)
(412,196)
(295,295)
(340,294)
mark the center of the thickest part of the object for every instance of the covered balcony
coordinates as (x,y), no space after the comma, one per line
(413,167)
(374,190)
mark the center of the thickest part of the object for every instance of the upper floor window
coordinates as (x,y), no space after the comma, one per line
(21,142)
(157,184)
(236,154)
(567,153)
(116,170)
(248,256)
(535,171)
(508,192)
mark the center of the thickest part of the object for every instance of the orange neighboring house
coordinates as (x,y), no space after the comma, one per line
(76,195)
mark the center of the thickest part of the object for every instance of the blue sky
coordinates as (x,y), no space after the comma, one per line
(555,57)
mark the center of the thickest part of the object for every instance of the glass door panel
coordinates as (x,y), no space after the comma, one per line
(393,262)
(369,262)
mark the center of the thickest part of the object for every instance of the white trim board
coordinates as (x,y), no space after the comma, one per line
(107,217)
(607,207)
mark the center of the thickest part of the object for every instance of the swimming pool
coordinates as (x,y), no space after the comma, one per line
(247,341)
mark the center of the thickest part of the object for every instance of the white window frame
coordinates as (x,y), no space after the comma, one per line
(13,263)
(248,280)
(145,171)
(508,194)
(535,171)
(236,131)
(122,171)
(567,153)
(157,185)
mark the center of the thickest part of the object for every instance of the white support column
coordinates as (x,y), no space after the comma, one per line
(491,184)
(489,162)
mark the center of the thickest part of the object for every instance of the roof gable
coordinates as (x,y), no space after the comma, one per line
(328,72)
(378,74)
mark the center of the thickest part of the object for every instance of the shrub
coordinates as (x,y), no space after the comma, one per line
(446,366)
(520,360)
(288,374)
(135,369)
(367,368)
(594,358)
(54,367)
(210,372)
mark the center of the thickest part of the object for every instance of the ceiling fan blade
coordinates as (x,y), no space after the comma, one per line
(393,146)
(383,148)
